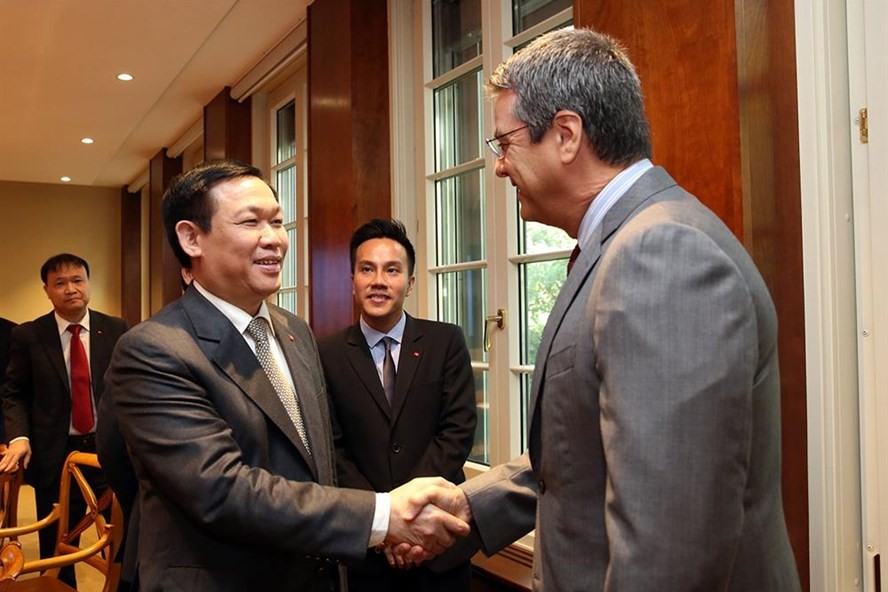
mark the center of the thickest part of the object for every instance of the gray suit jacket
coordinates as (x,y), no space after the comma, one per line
(654,450)
(229,498)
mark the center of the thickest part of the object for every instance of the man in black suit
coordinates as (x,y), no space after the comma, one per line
(6,327)
(402,410)
(54,379)
(221,400)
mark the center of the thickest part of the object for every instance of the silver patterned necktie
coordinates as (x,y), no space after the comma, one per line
(388,370)
(258,330)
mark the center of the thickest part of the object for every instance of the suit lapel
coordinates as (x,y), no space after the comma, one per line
(48,332)
(649,184)
(358,355)
(228,349)
(408,361)
(99,351)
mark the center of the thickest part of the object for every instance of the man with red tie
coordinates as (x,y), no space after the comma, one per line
(53,382)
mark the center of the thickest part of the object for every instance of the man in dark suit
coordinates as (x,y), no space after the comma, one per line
(654,453)
(6,327)
(221,400)
(419,423)
(54,381)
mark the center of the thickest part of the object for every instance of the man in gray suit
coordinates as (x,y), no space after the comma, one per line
(220,398)
(654,456)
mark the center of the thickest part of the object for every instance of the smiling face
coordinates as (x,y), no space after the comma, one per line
(68,289)
(531,167)
(381,282)
(241,257)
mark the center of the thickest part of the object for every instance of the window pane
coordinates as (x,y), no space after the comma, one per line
(528,13)
(286,132)
(456,33)
(481,449)
(460,214)
(523,404)
(461,298)
(285,183)
(538,288)
(458,132)
(288,279)
(287,300)
(534,237)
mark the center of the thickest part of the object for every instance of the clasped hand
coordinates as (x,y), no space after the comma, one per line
(427,515)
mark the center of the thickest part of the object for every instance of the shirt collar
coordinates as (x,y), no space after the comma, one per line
(238,316)
(373,336)
(610,195)
(63,323)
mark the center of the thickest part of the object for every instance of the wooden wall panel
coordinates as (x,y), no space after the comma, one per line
(130,256)
(720,87)
(228,128)
(349,157)
(164,267)
(685,54)
(773,224)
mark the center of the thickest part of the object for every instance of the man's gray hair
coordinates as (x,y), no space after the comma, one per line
(583,71)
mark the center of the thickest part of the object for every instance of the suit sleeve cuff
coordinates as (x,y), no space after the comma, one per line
(380,519)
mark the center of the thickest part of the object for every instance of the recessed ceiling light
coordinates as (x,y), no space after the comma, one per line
(65,179)
(124,76)
(87,140)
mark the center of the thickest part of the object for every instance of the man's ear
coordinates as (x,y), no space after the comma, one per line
(189,235)
(568,126)
(410,285)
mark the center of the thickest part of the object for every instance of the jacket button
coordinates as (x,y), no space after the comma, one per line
(542,485)
(396,448)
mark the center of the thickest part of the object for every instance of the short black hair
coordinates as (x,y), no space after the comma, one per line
(56,262)
(381,228)
(187,197)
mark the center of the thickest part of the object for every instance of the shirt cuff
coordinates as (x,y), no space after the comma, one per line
(25,438)
(380,519)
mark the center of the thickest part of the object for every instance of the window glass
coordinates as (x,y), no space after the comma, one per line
(460,218)
(527,13)
(456,33)
(458,132)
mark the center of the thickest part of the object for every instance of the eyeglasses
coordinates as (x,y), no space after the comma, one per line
(494,142)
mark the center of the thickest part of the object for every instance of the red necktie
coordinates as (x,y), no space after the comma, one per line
(573,258)
(81,402)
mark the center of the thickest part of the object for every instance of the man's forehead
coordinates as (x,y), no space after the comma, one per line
(67,270)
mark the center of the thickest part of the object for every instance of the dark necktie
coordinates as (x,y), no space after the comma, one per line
(573,258)
(259,332)
(81,402)
(388,370)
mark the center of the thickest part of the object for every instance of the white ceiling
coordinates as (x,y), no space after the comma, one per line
(59,60)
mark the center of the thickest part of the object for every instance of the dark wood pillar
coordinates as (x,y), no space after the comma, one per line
(720,92)
(164,268)
(131,256)
(349,157)
(228,128)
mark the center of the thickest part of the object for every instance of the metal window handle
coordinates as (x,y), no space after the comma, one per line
(500,319)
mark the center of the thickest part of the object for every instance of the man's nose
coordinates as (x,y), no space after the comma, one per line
(499,168)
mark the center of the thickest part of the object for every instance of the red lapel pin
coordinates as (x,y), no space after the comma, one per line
(99,332)
(415,354)
(290,337)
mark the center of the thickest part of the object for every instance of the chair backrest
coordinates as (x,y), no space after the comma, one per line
(99,554)
(10,483)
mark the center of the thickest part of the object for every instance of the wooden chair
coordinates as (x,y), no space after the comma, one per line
(10,483)
(99,555)
(12,560)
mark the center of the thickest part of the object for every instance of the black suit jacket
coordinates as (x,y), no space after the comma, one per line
(429,428)
(6,327)
(37,395)
(229,498)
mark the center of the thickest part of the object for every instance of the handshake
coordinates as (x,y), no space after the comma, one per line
(427,515)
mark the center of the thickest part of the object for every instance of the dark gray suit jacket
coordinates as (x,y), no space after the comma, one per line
(655,415)
(229,498)
(37,395)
